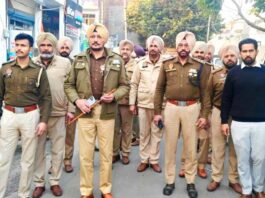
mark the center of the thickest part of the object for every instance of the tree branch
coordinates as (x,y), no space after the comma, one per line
(250,23)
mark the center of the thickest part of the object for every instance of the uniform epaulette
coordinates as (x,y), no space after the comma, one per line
(198,60)
(9,62)
(81,54)
(168,58)
(115,53)
(37,63)
(217,70)
(140,59)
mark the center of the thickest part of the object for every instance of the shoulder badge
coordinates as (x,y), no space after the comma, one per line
(9,62)
(8,72)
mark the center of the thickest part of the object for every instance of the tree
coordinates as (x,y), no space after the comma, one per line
(166,18)
(258,9)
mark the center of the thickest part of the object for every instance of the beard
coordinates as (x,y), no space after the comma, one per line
(248,60)
(183,54)
(64,54)
(229,64)
(46,55)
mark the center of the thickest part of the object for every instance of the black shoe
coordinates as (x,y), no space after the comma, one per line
(192,192)
(168,189)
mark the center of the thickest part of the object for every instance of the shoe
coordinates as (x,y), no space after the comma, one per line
(38,191)
(142,167)
(56,190)
(213,186)
(68,168)
(87,196)
(192,192)
(259,194)
(125,160)
(107,195)
(115,158)
(245,196)
(182,173)
(135,142)
(202,173)
(50,171)
(236,187)
(168,189)
(156,168)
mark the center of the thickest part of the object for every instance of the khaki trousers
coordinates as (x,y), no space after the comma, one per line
(56,132)
(204,141)
(12,125)
(150,137)
(218,152)
(69,143)
(123,131)
(186,117)
(88,130)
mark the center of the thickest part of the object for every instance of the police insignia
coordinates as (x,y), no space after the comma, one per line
(8,72)
(171,66)
(116,62)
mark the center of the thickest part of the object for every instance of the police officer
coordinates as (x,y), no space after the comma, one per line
(199,52)
(142,92)
(95,74)
(57,69)
(183,82)
(65,47)
(229,55)
(25,91)
(124,120)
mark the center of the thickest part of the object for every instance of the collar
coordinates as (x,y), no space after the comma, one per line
(104,55)
(147,59)
(243,65)
(188,61)
(14,63)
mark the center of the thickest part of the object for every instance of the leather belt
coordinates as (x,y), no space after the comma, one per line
(182,103)
(21,109)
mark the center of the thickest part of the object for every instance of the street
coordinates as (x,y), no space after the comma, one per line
(127,182)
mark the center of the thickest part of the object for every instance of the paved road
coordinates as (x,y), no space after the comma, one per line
(127,182)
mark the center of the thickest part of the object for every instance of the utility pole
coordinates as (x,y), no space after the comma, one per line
(125,19)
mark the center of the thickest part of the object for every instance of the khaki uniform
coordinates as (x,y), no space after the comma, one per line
(124,120)
(57,71)
(213,99)
(184,87)
(21,89)
(70,137)
(100,122)
(142,92)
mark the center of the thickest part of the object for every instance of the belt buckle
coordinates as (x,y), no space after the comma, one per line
(182,103)
(19,109)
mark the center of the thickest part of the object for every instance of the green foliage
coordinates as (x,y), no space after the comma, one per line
(166,18)
(259,5)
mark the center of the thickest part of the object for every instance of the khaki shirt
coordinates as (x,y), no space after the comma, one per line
(181,82)
(129,67)
(57,72)
(214,90)
(143,83)
(19,87)
(78,84)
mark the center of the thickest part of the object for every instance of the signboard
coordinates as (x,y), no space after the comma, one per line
(90,4)
(71,31)
(73,14)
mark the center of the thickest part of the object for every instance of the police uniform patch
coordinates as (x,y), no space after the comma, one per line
(8,72)
(171,66)
(116,62)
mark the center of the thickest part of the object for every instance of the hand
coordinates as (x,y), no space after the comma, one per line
(133,109)
(201,123)
(107,98)
(41,128)
(157,118)
(225,129)
(69,116)
(82,105)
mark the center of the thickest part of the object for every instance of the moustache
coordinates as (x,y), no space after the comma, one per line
(46,55)
(95,43)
